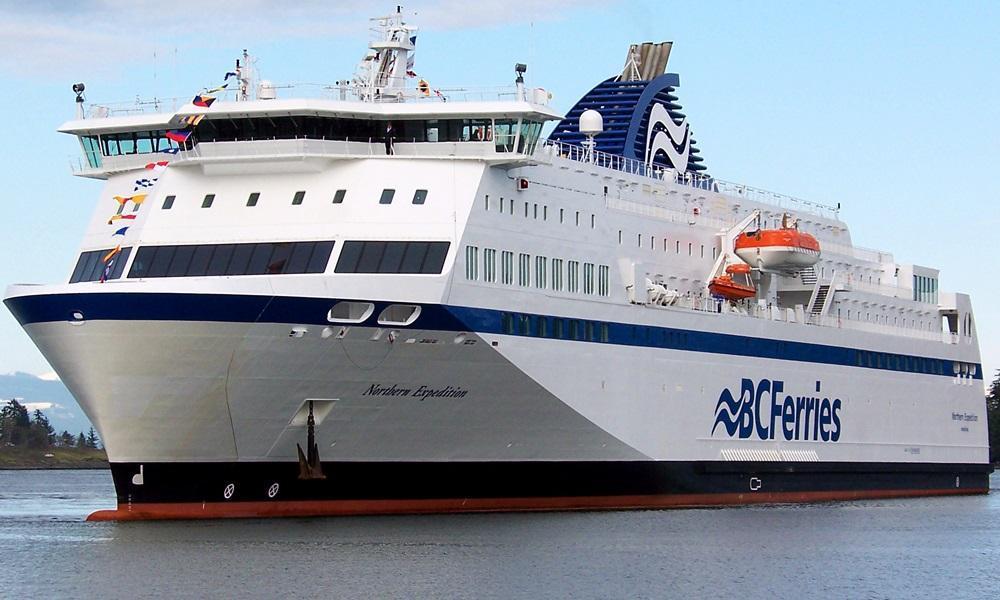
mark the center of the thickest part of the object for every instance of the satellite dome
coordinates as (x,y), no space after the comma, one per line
(591,122)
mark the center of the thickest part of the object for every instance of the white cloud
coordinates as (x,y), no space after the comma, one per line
(50,376)
(39,38)
(32,406)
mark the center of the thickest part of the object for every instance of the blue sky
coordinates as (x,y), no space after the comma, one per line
(888,108)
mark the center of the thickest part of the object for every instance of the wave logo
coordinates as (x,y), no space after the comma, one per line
(669,138)
(764,411)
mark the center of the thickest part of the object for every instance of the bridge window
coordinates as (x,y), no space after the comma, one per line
(338,196)
(168,202)
(253,198)
(419,196)
(207,202)
(298,198)
(386,197)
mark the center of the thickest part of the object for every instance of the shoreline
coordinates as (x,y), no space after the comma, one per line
(26,459)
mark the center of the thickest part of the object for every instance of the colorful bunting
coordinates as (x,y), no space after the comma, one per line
(120,231)
(114,252)
(169,151)
(144,183)
(178,135)
(230,74)
(192,120)
(136,199)
(119,217)
(158,167)
(203,100)
(213,91)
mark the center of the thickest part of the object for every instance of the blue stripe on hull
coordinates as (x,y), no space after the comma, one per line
(230,308)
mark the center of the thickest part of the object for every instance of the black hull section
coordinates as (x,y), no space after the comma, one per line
(193,490)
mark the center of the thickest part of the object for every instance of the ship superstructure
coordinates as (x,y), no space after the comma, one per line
(396,298)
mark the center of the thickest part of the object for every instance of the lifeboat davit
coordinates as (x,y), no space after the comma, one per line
(735,284)
(784,249)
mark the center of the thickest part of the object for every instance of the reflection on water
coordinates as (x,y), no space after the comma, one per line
(933,547)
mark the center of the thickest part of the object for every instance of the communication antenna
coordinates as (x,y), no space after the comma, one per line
(591,124)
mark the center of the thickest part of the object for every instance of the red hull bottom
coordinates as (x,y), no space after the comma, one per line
(317,508)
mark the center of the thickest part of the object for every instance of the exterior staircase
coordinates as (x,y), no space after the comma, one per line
(820,301)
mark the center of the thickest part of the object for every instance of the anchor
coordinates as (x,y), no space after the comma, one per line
(309,464)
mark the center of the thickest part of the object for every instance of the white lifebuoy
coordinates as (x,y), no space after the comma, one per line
(229,490)
(273,490)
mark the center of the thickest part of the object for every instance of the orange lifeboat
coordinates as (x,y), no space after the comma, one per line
(781,249)
(729,288)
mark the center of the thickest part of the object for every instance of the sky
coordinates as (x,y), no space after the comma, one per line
(888,108)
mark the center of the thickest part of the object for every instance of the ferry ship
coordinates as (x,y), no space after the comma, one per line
(381,297)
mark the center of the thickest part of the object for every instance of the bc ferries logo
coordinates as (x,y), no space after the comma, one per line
(673,139)
(764,412)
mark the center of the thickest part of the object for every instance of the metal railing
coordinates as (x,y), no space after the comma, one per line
(694,180)
(324,91)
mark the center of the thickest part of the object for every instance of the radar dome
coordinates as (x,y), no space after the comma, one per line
(591,122)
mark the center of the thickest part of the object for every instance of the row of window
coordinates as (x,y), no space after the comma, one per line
(392,257)
(548,274)
(666,245)
(505,133)
(554,327)
(531,211)
(264,258)
(419,197)
(91,266)
(925,289)
(899,362)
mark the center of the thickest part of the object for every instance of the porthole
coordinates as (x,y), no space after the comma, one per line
(350,312)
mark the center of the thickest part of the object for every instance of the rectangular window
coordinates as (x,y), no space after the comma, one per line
(524,269)
(573,276)
(168,202)
(593,221)
(557,275)
(525,210)
(265,258)
(603,288)
(560,215)
(252,200)
(540,272)
(604,332)
(588,278)
(489,265)
(577,218)
(506,267)
(557,328)
(419,196)
(545,213)
(207,202)
(472,263)
(298,198)
(424,258)
(338,196)
(486,202)
(501,204)
(91,265)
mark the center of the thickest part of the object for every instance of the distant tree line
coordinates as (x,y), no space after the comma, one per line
(993,416)
(19,428)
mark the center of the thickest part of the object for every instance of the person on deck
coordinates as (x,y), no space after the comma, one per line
(389,134)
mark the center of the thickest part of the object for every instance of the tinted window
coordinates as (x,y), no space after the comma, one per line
(392,257)
(161,261)
(220,259)
(298,198)
(349,255)
(199,262)
(300,257)
(168,202)
(387,196)
(338,198)
(413,259)
(91,266)
(279,258)
(181,261)
(119,263)
(252,200)
(419,196)
(240,260)
(143,257)
(371,256)
(207,202)
(320,257)
(259,258)
(434,263)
